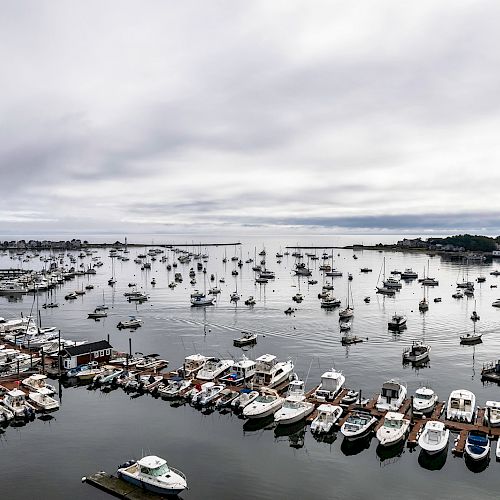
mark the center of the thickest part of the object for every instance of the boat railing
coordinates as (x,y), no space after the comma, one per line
(177,471)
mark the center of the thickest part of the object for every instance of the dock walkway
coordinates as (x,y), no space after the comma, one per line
(118,488)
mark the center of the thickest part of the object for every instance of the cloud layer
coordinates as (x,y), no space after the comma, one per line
(168,116)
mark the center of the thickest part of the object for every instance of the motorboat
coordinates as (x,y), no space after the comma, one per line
(417,353)
(248,338)
(241,371)
(133,322)
(174,388)
(392,396)
(15,401)
(423,305)
(153,474)
(209,393)
(394,429)
(397,322)
(246,396)
(43,401)
(345,326)
(330,302)
(270,373)
(213,368)
(192,364)
(97,314)
(90,372)
(434,437)
(202,301)
(437,299)
(226,397)
(496,303)
(5,414)
(425,400)
(250,301)
(477,446)
(109,374)
(37,383)
(267,403)
(331,384)
(492,413)
(357,425)
(295,407)
(409,274)
(328,416)
(461,406)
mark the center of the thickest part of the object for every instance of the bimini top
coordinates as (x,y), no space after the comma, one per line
(151,462)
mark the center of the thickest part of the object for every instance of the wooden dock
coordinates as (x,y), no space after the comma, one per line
(118,488)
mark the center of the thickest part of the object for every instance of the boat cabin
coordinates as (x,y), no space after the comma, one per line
(390,390)
(241,371)
(85,353)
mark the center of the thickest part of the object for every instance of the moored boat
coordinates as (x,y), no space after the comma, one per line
(434,437)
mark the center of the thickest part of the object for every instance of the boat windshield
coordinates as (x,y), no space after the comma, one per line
(393,424)
(291,404)
(424,396)
(159,471)
(265,399)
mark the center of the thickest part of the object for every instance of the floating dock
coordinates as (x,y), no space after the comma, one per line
(118,488)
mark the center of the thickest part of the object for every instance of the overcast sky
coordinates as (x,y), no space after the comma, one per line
(249,116)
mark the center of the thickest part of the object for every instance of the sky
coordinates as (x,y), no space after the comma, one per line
(256,116)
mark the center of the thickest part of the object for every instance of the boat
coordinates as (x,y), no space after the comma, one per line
(457,295)
(437,299)
(461,406)
(471,338)
(173,388)
(234,297)
(330,302)
(153,474)
(241,371)
(328,416)
(192,364)
(133,322)
(97,314)
(5,414)
(392,396)
(298,297)
(409,274)
(332,382)
(37,383)
(423,305)
(477,446)
(43,401)
(209,394)
(250,301)
(15,401)
(397,322)
(434,437)
(345,326)
(367,299)
(475,316)
(417,353)
(248,338)
(295,407)
(393,430)
(267,403)
(348,312)
(89,372)
(496,303)
(424,401)
(289,311)
(202,301)
(214,368)
(226,397)
(245,397)
(357,425)
(492,413)
(270,373)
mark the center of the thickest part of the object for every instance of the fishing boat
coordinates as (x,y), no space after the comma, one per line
(393,430)
(328,416)
(267,403)
(357,425)
(37,383)
(417,353)
(270,372)
(331,384)
(192,364)
(153,474)
(424,401)
(434,437)
(15,401)
(461,406)
(248,338)
(43,401)
(477,446)
(397,322)
(295,407)
(214,368)
(392,396)
(242,371)
(492,413)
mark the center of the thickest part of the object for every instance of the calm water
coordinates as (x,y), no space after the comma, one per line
(220,455)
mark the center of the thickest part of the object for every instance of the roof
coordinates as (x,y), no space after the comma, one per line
(151,462)
(89,347)
(332,374)
(424,391)
(266,358)
(15,393)
(392,415)
(326,408)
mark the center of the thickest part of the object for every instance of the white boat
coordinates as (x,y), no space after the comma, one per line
(295,407)
(192,364)
(492,413)
(425,400)
(392,396)
(153,474)
(213,368)
(270,373)
(328,416)
(477,446)
(357,425)
(397,322)
(15,401)
(329,301)
(241,371)
(461,406)
(331,384)
(208,394)
(43,401)
(348,312)
(37,383)
(417,353)
(394,429)
(245,397)
(345,326)
(434,437)
(5,414)
(202,301)
(267,403)
(133,322)
(248,338)
(173,388)
(226,397)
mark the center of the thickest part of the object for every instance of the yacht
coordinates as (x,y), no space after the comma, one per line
(492,413)
(397,322)
(242,371)
(213,368)
(461,406)
(153,474)
(417,353)
(394,429)
(331,384)
(434,437)
(295,407)
(267,403)
(392,396)
(477,446)
(425,400)
(328,416)
(270,373)
(357,425)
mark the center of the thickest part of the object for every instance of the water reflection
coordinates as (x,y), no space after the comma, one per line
(432,462)
(388,454)
(294,434)
(350,448)
(257,424)
(477,466)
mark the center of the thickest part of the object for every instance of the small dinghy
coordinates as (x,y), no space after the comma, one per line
(328,416)
(477,446)
(434,437)
(345,326)
(350,398)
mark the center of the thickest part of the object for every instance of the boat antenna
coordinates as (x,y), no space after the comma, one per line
(308,371)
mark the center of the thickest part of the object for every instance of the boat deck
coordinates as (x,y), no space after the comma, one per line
(118,488)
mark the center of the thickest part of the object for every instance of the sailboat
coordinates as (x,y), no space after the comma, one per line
(348,312)
(471,338)
(112,280)
(423,305)
(385,290)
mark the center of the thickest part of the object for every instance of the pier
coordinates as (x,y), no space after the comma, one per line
(118,488)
